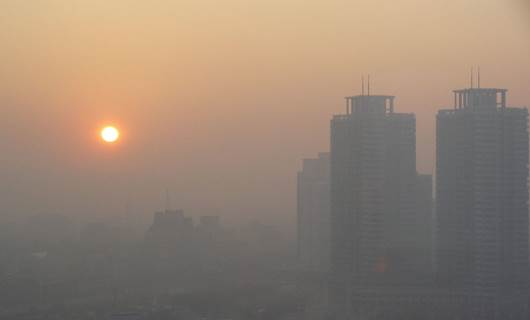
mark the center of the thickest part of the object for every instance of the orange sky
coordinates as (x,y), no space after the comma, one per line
(220,101)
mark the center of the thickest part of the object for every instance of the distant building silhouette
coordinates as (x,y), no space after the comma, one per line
(482,203)
(170,228)
(313,213)
(210,222)
(209,232)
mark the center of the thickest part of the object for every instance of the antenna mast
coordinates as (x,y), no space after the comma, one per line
(168,204)
(478,77)
(362,84)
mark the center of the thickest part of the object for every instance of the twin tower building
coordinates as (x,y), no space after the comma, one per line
(391,249)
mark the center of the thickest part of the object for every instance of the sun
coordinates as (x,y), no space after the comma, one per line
(110,134)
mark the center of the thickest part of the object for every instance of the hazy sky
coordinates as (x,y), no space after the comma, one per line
(220,100)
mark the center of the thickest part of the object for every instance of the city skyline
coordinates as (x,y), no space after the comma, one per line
(201,90)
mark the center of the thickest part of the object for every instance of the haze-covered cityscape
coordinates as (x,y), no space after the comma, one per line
(264,160)
(372,241)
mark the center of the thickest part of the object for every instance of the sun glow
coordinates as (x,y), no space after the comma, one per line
(110,134)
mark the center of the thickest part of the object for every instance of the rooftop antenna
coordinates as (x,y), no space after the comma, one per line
(362,84)
(471,77)
(168,204)
(368,85)
(478,75)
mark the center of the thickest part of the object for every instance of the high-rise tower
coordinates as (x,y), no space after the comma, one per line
(482,203)
(373,189)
